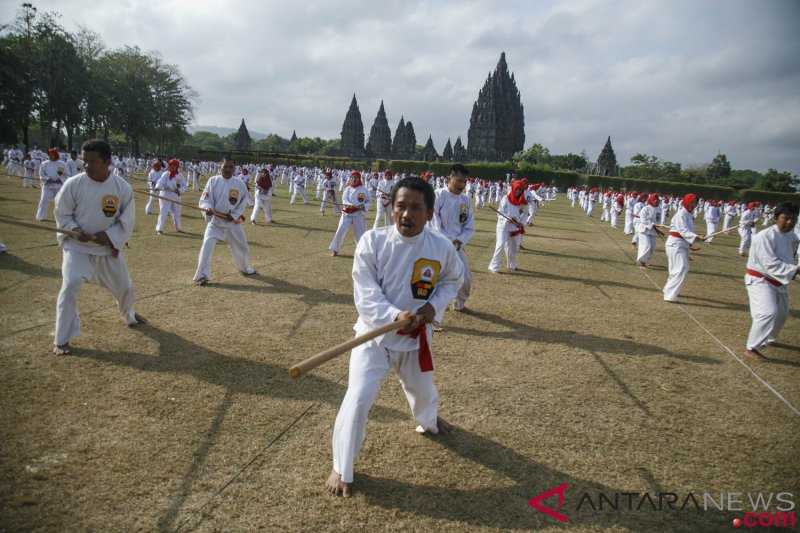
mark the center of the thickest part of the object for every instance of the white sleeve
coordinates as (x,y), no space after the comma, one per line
(64,211)
(206,201)
(468,229)
(450,280)
(371,302)
(122,229)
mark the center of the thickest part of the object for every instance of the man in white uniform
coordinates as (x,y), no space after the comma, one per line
(328,192)
(681,237)
(771,267)
(355,200)
(383,205)
(52,174)
(100,208)
(509,230)
(263,196)
(170,186)
(224,200)
(152,180)
(453,218)
(646,231)
(747,222)
(402,271)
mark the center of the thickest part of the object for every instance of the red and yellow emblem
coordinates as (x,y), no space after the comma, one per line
(462,216)
(361,197)
(110,205)
(424,278)
(233,196)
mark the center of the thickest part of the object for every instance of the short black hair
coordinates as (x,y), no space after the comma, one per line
(458,168)
(415,184)
(99,146)
(785,208)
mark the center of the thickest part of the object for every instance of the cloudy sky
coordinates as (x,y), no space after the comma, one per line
(678,79)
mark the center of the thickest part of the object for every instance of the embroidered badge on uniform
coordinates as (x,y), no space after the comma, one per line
(424,278)
(109,204)
(361,197)
(462,216)
(233,196)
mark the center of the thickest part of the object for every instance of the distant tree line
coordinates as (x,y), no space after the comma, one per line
(58,87)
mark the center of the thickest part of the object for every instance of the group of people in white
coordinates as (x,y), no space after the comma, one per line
(409,267)
(772,253)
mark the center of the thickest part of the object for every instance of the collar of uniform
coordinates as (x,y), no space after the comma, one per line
(408,240)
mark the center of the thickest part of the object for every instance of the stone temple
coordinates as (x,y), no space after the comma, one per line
(352,135)
(497,125)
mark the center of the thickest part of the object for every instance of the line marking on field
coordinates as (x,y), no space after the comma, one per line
(688,313)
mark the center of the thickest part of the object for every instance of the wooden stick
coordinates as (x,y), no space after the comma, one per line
(505,217)
(14,222)
(312,362)
(720,232)
(223,216)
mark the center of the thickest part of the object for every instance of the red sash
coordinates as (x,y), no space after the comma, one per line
(757,274)
(675,234)
(350,209)
(425,358)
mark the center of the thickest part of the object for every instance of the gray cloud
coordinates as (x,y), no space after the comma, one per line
(679,79)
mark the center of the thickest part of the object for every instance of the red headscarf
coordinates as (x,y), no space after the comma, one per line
(264,181)
(156,165)
(652,199)
(388,174)
(355,179)
(173,165)
(752,205)
(53,153)
(642,197)
(688,200)
(620,200)
(517,186)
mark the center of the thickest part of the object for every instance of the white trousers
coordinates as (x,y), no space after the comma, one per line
(726,222)
(301,191)
(48,194)
(605,215)
(678,266)
(769,307)
(531,213)
(168,209)
(105,270)
(647,245)
(27,181)
(613,217)
(357,220)
(369,364)
(194,180)
(744,240)
(628,223)
(237,242)
(508,244)
(263,202)
(382,212)
(328,198)
(711,227)
(151,201)
(466,286)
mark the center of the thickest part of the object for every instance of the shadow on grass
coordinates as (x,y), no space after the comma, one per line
(507,508)
(9,261)
(180,356)
(585,341)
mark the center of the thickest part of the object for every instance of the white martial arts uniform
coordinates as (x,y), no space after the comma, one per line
(383,203)
(169,187)
(630,202)
(508,235)
(681,236)
(616,209)
(225,196)
(746,223)
(391,274)
(52,175)
(299,183)
(770,268)
(352,197)
(86,205)
(646,234)
(328,194)
(712,219)
(263,201)
(453,218)
(152,179)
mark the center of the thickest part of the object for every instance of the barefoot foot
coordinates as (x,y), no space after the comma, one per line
(336,487)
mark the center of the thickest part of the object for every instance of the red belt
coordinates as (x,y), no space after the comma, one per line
(425,358)
(675,234)
(350,210)
(757,274)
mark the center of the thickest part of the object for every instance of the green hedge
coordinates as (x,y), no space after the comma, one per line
(664,187)
(750,195)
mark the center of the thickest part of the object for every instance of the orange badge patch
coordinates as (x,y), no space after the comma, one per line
(110,205)
(233,196)
(424,278)
(361,197)
(462,216)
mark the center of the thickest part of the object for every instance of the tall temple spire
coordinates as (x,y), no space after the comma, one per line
(607,161)
(447,153)
(429,153)
(380,136)
(242,140)
(497,125)
(353,131)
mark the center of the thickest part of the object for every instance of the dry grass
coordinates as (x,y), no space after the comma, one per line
(572,370)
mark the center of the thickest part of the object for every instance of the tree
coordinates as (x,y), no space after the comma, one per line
(776,181)
(535,155)
(719,170)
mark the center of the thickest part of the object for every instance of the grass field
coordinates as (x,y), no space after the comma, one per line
(571,370)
